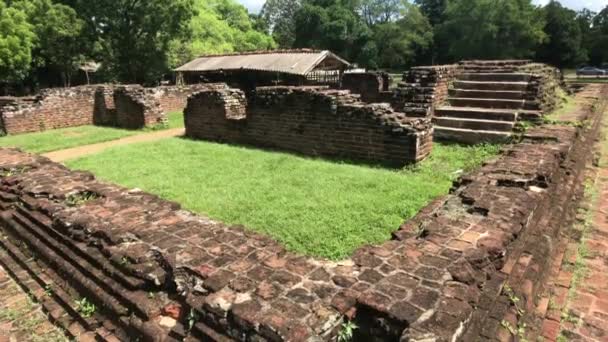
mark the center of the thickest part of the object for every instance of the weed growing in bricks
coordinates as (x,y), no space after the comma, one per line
(85,308)
(48,290)
(81,198)
(347,331)
(192,319)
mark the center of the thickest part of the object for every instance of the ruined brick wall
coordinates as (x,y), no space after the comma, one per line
(423,89)
(52,108)
(371,86)
(95,104)
(175,98)
(136,108)
(441,277)
(311,121)
(547,85)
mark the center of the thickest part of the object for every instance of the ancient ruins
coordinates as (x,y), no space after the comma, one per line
(160,273)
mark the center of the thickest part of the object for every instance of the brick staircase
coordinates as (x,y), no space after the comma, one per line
(485,104)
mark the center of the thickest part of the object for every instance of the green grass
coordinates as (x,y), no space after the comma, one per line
(176,119)
(313,206)
(59,139)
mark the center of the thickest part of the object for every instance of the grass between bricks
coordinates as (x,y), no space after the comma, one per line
(313,206)
(59,139)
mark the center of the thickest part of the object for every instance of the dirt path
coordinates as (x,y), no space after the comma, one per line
(81,151)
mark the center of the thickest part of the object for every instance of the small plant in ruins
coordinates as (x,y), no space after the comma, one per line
(192,319)
(85,308)
(347,331)
(80,198)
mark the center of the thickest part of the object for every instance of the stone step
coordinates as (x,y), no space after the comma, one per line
(92,255)
(469,136)
(488,94)
(494,77)
(474,124)
(477,113)
(58,304)
(480,85)
(117,298)
(493,103)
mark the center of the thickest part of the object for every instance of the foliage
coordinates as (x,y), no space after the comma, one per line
(433,10)
(293,199)
(58,31)
(85,307)
(401,41)
(280,16)
(16,43)
(220,26)
(489,29)
(347,332)
(563,35)
(331,25)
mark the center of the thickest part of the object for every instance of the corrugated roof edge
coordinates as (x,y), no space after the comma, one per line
(262,52)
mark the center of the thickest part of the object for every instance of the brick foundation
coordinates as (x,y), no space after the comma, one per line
(137,107)
(152,268)
(311,121)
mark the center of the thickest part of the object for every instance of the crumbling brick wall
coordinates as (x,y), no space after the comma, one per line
(373,87)
(423,89)
(52,108)
(135,108)
(175,98)
(310,121)
(439,278)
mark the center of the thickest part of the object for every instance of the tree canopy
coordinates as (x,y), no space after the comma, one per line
(140,41)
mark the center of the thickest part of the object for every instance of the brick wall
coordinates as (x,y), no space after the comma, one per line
(371,86)
(441,277)
(423,89)
(310,121)
(135,108)
(175,98)
(87,105)
(52,108)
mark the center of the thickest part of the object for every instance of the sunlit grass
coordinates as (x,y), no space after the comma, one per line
(316,207)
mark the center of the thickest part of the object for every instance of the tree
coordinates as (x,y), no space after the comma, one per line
(220,26)
(132,37)
(433,10)
(331,25)
(280,16)
(16,43)
(491,29)
(381,11)
(401,41)
(58,29)
(563,46)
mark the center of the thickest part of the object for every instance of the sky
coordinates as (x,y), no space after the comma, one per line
(595,5)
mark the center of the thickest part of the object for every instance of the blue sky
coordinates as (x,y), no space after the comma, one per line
(596,5)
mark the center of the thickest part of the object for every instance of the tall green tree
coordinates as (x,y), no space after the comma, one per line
(132,37)
(491,29)
(16,43)
(333,25)
(400,42)
(281,17)
(219,26)
(433,10)
(59,44)
(598,40)
(381,11)
(564,44)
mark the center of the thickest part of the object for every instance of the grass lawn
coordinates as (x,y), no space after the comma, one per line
(312,206)
(59,139)
(176,119)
